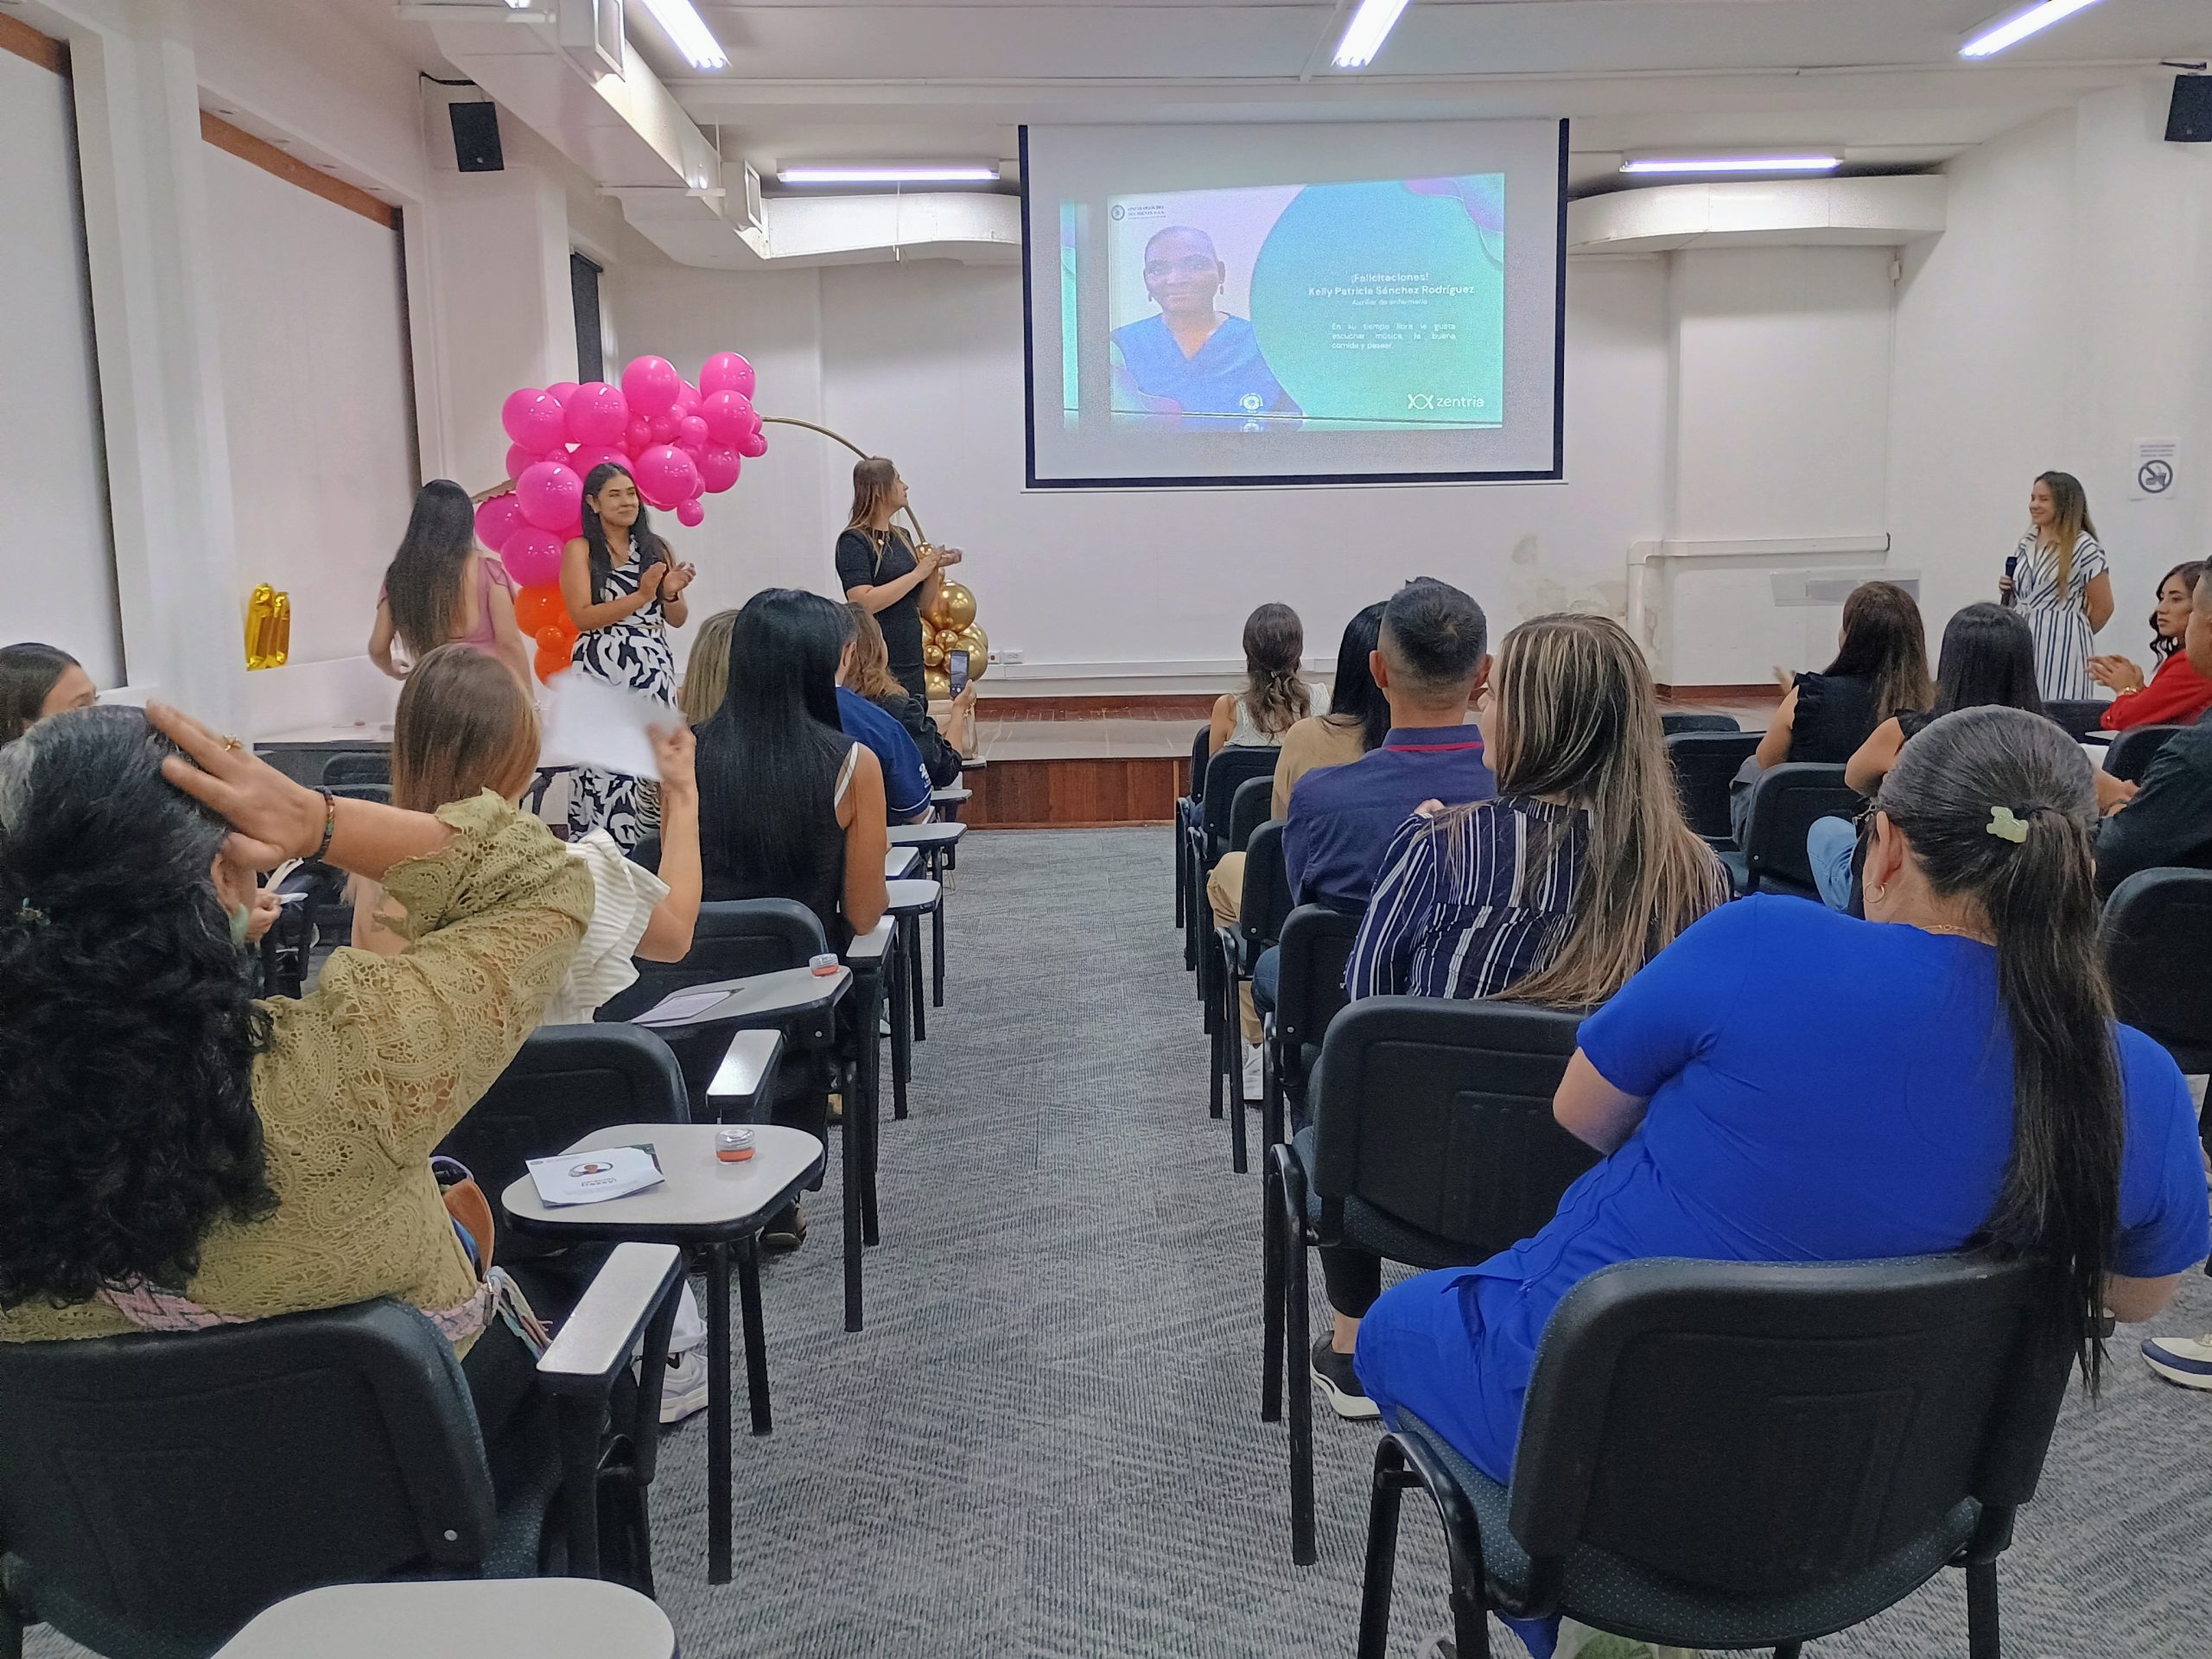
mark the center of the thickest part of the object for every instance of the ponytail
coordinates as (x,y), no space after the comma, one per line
(1998,805)
(1274,649)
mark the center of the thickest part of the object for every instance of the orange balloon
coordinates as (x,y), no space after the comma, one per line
(540,607)
(551,662)
(556,638)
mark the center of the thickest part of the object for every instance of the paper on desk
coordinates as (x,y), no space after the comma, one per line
(677,1007)
(592,723)
(596,1176)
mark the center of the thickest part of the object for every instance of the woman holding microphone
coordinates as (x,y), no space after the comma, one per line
(2059,579)
(879,570)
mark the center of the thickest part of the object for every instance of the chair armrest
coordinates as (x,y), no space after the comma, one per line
(867,949)
(597,1340)
(952,795)
(917,896)
(748,1068)
(899,861)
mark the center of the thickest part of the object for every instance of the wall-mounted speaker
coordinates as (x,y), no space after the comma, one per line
(476,136)
(2189,118)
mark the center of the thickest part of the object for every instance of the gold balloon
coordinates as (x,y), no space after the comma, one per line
(977,644)
(932,649)
(957,605)
(940,686)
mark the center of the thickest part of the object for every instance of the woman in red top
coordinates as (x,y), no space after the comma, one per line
(2177,693)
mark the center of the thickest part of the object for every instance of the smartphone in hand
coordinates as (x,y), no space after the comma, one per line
(956,669)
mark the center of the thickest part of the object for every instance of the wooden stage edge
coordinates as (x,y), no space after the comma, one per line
(1075,794)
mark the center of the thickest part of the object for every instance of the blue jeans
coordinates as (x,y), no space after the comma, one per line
(1829,845)
(1267,979)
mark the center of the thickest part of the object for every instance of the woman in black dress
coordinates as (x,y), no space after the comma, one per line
(879,569)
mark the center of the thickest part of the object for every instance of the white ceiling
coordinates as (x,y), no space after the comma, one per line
(818,80)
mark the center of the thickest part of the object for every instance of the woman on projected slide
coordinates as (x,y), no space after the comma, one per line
(1193,363)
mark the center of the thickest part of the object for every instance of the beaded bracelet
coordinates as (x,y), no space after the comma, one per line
(329,822)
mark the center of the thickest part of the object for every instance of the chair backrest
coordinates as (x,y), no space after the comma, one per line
(2133,750)
(1757,1429)
(177,1484)
(1703,764)
(380,793)
(1785,801)
(2157,933)
(357,767)
(2079,716)
(1677,721)
(1198,778)
(1316,944)
(1439,1114)
(1247,809)
(563,1083)
(1229,768)
(1266,899)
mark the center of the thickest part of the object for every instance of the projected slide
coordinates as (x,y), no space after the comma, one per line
(1319,303)
(1376,306)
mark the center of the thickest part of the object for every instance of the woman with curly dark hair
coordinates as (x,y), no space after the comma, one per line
(180,1155)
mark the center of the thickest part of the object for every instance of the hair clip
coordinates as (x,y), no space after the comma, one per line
(2006,827)
(30,915)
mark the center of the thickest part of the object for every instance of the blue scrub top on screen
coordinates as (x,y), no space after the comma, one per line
(1228,380)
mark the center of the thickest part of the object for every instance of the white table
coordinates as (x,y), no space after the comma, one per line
(757,1000)
(908,901)
(707,1202)
(936,842)
(899,862)
(468,1619)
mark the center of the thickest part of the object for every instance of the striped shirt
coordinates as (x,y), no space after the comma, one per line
(2060,622)
(1469,905)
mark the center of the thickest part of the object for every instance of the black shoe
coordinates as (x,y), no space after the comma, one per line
(1340,1384)
(786,1231)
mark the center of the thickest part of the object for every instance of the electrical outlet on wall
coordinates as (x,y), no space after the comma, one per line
(997,656)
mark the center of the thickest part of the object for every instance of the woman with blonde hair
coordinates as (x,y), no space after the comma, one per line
(1274,698)
(2060,578)
(867,674)
(1580,872)
(880,569)
(705,671)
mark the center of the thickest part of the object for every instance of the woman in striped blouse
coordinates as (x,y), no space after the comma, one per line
(2059,577)
(1557,892)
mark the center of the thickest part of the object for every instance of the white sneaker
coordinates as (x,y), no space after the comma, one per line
(1255,1084)
(2185,1360)
(683,1393)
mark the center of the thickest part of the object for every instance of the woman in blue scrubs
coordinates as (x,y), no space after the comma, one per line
(1192,359)
(1785,1084)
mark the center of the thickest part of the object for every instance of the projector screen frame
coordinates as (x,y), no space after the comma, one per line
(1555,473)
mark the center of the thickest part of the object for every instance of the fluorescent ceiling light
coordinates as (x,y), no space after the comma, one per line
(891,173)
(1993,38)
(1363,35)
(1822,161)
(689,30)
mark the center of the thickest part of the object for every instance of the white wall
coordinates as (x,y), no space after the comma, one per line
(58,571)
(314,347)
(923,361)
(2064,314)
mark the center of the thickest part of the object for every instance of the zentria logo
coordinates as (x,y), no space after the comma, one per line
(1432,400)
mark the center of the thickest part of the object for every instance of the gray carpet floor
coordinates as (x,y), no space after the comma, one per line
(1046,1443)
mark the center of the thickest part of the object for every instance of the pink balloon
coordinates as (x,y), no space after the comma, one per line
(753,444)
(560,392)
(663,426)
(520,461)
(725,371)
(637,435)
(497,519)
(532,419)
(550,495)
(729,415)
(532,556)
(650,384)
(665,476)
(719,466)
(589,458)
(690,513)
(687,398)
(596,413)
(691,432)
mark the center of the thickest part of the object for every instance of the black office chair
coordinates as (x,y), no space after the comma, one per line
(1187,816)
(1249,807)
(563,1083)
(1432,1144)
(1246,812)
(379,794)
(1677,721)
(1704,763)
(357,767)
(1261,910)
(2158,930)
(1208,838)
(1725,1455)
(2081,716)
(1316,944)
(1785,801)
(2133,750)
(159,1490)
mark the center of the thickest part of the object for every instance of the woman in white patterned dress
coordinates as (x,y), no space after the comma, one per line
(623,610)
(2060,580)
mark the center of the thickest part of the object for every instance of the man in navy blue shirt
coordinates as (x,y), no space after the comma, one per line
(906,781)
